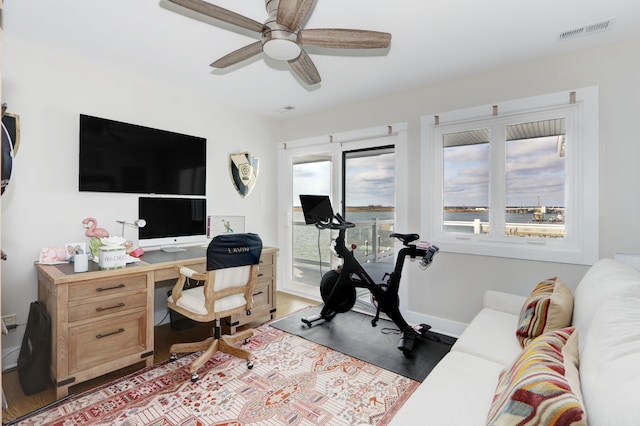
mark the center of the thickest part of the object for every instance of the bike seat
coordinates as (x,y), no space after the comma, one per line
(405,238)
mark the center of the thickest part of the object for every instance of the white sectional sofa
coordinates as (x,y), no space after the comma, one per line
(606,322)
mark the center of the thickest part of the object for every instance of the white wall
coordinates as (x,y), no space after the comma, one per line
(452,287)
(43,207)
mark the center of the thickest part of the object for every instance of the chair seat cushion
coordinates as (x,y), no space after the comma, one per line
(193,300)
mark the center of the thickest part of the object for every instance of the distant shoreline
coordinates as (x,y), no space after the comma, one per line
(360,209)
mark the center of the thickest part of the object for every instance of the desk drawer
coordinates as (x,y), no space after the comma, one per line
(265,275)
(266,259)
(261,296)
(99,342)
(106,287)
(107,305)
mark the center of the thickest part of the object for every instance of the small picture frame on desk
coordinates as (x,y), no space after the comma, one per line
(217,225)
(75,248)
(53,255)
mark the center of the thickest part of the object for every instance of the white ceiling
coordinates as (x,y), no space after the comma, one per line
(432,42)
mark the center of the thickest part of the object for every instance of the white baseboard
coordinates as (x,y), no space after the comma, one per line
(439,325)
(10,358)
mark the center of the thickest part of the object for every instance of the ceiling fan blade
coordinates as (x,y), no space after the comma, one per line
(238,55)
(305,69)
(220,13)
(345,39)
(292,13)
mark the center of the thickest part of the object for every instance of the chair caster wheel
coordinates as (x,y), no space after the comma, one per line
(249,365)
(194,377)
(173,357)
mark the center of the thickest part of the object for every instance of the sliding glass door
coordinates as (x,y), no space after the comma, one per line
(360,179)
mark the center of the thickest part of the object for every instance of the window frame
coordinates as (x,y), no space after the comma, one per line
(581,241)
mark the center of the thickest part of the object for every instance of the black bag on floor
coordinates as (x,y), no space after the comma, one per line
(35,353)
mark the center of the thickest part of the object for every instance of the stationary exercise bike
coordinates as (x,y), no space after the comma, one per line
(338,287)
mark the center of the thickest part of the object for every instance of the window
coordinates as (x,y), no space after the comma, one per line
(521,182)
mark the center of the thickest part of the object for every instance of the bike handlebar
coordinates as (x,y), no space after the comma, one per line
(342,223)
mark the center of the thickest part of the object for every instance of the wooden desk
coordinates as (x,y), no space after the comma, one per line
(102,320)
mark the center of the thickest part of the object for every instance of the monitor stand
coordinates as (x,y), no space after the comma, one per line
(172,249)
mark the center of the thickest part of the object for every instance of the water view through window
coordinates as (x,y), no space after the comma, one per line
(534,180)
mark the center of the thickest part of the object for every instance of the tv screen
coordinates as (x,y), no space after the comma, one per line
(122,157)
(172,221)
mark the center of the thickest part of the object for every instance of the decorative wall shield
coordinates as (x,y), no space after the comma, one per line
(244,172)
(10,141)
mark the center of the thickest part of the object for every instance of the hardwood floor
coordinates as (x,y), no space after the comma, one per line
(21,404)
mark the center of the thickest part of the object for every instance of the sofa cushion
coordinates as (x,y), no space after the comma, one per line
(541,387)
(610,363)
(490,336)
(548,307)
(606,279)
(457,392)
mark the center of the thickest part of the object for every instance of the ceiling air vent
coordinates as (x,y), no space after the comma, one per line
(584,30)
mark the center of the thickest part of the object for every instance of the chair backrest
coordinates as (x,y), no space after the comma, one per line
(232,270)
(229,250)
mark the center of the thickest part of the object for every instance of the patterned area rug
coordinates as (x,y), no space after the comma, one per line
(293,382)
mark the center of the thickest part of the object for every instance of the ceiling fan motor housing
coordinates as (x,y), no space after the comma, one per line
(279,42)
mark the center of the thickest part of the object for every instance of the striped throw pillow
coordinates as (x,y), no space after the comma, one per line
(548,307)
(542,386)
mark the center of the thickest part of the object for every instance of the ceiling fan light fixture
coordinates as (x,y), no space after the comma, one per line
(280,49)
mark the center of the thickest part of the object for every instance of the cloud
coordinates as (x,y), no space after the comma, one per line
(370,180)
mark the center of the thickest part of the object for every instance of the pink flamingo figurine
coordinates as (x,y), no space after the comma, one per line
(90,223)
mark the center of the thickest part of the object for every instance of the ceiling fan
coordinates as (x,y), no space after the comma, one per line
(283,39)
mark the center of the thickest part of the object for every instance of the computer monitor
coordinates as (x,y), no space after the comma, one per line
(316,208)
(172,222)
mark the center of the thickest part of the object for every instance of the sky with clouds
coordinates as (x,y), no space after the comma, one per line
(370,180)
(533,169)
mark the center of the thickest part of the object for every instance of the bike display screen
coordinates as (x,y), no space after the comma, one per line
(316,208)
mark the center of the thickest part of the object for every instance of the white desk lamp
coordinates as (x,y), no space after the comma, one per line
(138,223)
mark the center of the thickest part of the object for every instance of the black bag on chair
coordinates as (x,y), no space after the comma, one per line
(35,353)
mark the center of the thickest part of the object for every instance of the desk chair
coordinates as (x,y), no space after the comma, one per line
(232,271)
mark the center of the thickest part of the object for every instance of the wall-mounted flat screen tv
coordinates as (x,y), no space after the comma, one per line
(122,157)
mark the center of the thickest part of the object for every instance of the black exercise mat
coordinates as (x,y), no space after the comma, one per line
(351,333)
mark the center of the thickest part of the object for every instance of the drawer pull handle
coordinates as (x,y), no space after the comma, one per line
(100,336)
(119,305)
(260,275)
(110,288)
(258,293)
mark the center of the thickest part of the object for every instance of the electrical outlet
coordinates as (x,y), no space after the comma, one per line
(9,320)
